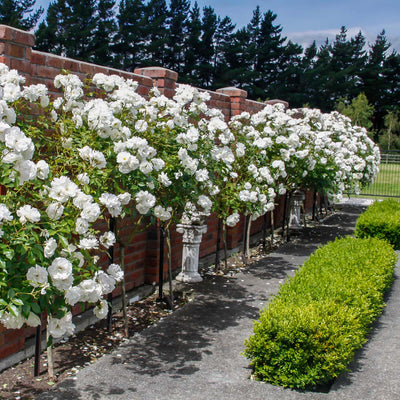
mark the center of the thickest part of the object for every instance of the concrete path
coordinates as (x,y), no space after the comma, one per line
(196,352)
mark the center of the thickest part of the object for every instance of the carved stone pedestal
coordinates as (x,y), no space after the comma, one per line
(192,235)
(295,210)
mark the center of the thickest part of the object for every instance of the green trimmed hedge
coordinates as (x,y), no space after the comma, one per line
(310,331)
(381,220)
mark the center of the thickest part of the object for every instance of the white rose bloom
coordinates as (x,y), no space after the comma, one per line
(60,269)
(5,213)
(205,202)
(106,282)
(37,276)
(101,310)
(73,295)
(61,189)
(50,246)
(158,164)
(33,320)
(88,243)
(161,213)
(81,200)
(26,169)
(115,271)
(81,226)
(233,219)
(112,202)
(28,213)
(164,180)
(91,212)
(145,201)
(11,321)
(42,169)
(55,211)
(16,140)
(107,239)
(59,327)
(124,198)
(83,178)
(202,175)
(91,291)
(146,167)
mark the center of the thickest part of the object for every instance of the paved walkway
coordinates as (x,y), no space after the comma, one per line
(196,352)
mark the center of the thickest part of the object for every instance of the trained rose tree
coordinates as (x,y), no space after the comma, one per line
(47,221)
(103,151)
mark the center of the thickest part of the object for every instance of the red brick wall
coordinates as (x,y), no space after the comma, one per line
(141,248)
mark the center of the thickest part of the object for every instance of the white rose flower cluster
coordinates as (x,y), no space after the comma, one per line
(158,156)
(47,217)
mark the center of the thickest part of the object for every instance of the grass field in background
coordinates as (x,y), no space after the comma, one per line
(387,182)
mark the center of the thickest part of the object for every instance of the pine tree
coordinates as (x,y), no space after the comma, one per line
(131,35)
(192,48)
(348,60)
(223,38)
(155,25)
(374,81)
(206,55)
(19,14)
(177,34)
(104,33)
(72,32)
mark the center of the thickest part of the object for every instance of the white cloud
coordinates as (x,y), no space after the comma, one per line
(306,38)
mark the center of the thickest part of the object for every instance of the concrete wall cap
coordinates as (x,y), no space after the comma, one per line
(157,72)
(233,92)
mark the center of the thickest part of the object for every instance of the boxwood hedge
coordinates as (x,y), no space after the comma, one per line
(381,220)
(310,331)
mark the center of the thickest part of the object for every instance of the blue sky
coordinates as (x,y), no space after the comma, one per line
(306,20)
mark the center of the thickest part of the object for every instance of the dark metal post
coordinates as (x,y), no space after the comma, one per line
(38,350)
(218,243)
(161,265)
(264,231)
(112,227)
(284,215)
(246,223)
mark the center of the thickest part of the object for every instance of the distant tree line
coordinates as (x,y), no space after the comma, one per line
(208,51)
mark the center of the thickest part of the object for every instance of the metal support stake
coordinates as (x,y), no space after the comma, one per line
(161,265)
(38,350)
(112,227)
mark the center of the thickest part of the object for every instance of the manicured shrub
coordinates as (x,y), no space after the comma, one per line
(381,220)
(310,331)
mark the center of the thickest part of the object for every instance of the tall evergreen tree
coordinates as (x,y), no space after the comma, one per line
(207,51)
(104,33)
(348,60)
(192,48)
(155,25)
(374,83)
(178,16)
(73,31)
(269,51)
(131,34)
(19,14)
(223,38)
(290,69)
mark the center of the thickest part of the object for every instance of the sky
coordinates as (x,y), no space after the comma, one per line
(303,21)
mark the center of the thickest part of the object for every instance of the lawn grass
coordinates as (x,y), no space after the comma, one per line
(387,183)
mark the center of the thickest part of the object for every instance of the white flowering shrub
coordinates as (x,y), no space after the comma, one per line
(103,151)
(47,218)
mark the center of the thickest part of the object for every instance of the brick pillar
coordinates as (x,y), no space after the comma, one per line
(16,49)
(238,99)
(164,79)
